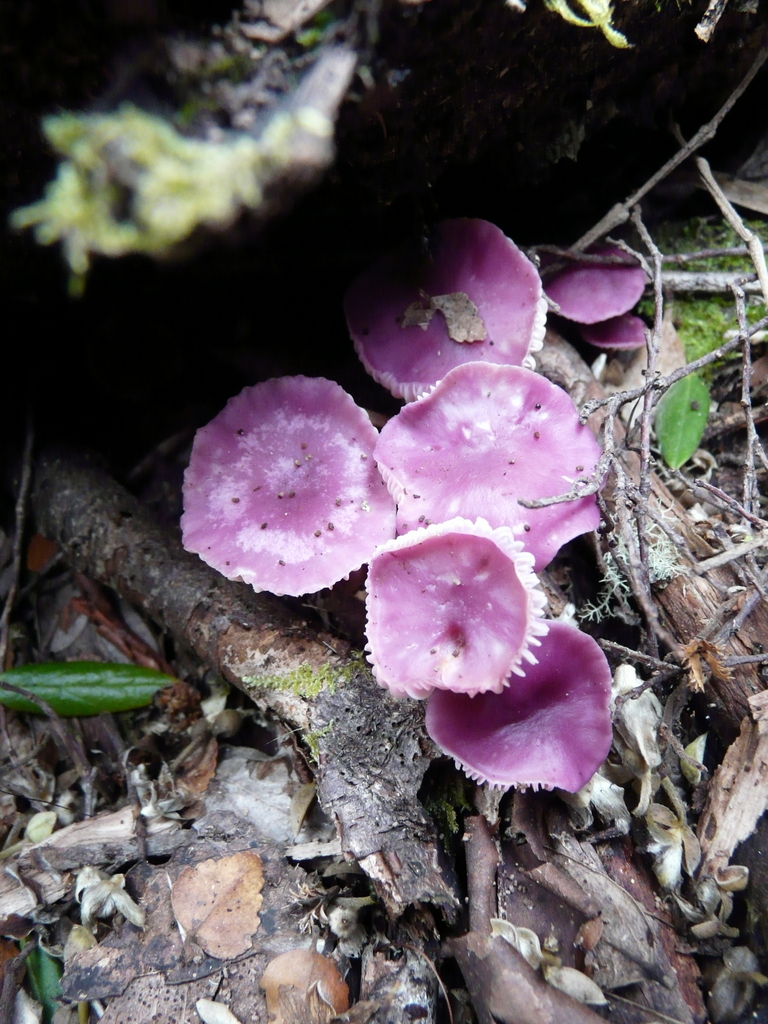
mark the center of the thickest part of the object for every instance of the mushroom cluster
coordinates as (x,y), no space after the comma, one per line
(291,489)
(599,296)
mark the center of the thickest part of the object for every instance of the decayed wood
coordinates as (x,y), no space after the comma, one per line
(40,873)
(738,794)
(372,749)
(693,606)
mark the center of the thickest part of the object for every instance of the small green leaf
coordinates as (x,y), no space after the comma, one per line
(681,417)
(83,687)
(44,972)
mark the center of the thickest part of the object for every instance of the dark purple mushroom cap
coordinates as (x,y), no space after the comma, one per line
(471,257)
(282,490)
(550,727)
(484,437)
(589,292)
(454,606)
(625,331)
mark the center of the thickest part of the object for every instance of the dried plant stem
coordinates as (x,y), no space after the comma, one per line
(704,254)
(619,213)
(18,540)
(710,282)
(718,497)
(753,243)
(637,656)
(653,344)
(662,383)
(750,495)
(68,740)
(710,18)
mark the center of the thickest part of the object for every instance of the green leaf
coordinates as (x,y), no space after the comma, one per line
(43,973)
(681,417)
(83,687)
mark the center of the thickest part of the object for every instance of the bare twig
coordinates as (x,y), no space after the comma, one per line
(718,497)
(482,860)
(18,540)
(662,383)
(645,1009)
(11,983)
(653,344)
(638,656)
(747,659)
(751,240)
(716,561)
(704,254)
(708,282)
(70,742)
(709,20)
(619,213)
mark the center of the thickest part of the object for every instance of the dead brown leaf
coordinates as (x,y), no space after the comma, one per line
(197,769)
(303,987)
(39,552)
(462,320)
(699,653)
(217,903)
(461,317)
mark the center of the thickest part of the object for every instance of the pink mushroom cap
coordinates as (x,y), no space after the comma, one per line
(551,727)
(466,256)
(454,606)
(282,490)
(590,292)
(625,331)
(484,437)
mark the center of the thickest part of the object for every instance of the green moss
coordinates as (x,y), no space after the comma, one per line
(707,233)
(315,30)
(594,14)
(129,182)
(447,802)
(312,739)
(702,320)
(304,681)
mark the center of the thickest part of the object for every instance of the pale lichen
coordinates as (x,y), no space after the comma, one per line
(615,591)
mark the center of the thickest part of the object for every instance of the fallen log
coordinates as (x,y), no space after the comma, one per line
(372,751)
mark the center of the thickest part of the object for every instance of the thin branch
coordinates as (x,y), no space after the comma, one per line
(704,254)
(71,743)
(482,860)
(665,382)
(709,282)
(746,659)
(18,540)
(619,213)
(709,20)
(749,492)
(642,659)
(721,499)
(751,240)
(717,561)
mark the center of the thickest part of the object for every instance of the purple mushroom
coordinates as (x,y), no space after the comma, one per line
(472,296)
(551,727)
(625,331)
(600,294)
(282,490)
(483,438)
(454,606)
